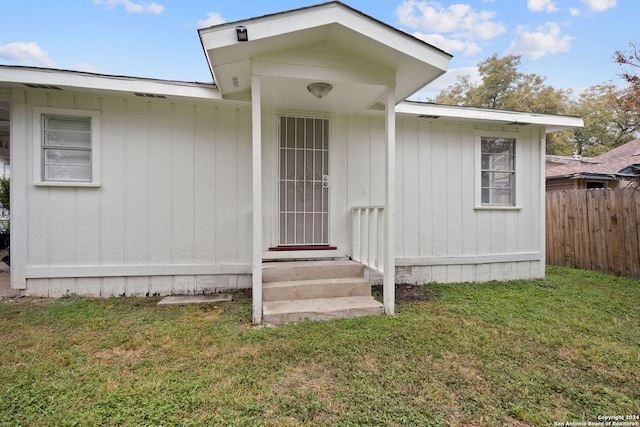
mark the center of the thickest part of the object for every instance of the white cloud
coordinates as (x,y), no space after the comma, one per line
(542,6)
(459,19)
(574,11)
(600,5)
(469,48)
(546,40)
(26,54)
(132,6)
(211,20)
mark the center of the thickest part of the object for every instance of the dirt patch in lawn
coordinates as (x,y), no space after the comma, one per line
(409,293)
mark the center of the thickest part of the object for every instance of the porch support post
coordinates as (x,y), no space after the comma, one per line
(389,277)
(543,203)
(18,159)
(256,153)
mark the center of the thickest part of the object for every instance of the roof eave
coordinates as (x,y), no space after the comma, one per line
(551,122)
(78,80)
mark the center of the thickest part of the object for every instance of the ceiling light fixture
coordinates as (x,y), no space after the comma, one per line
(319,89)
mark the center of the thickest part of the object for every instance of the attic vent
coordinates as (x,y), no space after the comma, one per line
(149,95)
(37,86)
(427,116)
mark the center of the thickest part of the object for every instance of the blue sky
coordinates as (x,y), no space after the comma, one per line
(571,42)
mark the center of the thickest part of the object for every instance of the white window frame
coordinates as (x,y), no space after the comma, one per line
(38,150)
(478,170)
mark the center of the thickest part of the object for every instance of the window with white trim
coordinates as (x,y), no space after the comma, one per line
(68,147)
(497,171)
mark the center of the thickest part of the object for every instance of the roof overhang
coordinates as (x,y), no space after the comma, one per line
(551,122)
(635,168)
(331,42)
(594,176)
(53,79)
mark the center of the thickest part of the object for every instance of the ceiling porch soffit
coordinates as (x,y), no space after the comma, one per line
(325,61)
(358,82)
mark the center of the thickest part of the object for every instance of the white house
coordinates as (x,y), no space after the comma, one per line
(130,186)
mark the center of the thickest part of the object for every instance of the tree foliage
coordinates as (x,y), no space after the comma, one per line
(628,102)
(630,61)
(608,112)
(5,184)
(606,122)
(505,87)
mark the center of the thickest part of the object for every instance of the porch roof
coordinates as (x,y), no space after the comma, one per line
(330,42)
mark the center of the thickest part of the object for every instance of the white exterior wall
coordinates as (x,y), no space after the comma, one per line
(172,213)
(441,235)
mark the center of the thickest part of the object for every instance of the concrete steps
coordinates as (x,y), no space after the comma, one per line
(296,291)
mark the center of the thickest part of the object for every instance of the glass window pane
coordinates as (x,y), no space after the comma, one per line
(486,179)
(69,139)
(66,154)
(502,196)
(485,195)
(77,124)
(485,161)
(497,177)
(498,145)
(55,172)
(69,157)
(501,180)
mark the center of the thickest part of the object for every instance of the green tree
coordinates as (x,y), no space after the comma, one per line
(630,61)
(504,87)
(611,115)
(607,123)
(5,184)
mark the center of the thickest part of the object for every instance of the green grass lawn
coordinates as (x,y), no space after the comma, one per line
(563,349)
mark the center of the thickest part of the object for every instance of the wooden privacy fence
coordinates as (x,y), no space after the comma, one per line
(595,230)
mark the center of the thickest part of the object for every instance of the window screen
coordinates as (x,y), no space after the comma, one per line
(66,148)
(498,174)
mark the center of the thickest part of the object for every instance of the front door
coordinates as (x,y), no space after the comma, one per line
(304,181)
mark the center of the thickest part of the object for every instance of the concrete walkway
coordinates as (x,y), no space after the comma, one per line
(5,282)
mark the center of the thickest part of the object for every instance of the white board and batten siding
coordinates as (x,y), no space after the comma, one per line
(172,211)
(441,234)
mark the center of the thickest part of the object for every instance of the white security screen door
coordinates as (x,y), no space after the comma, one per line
(304,181)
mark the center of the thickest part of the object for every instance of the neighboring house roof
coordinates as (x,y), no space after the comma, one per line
(621,163)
